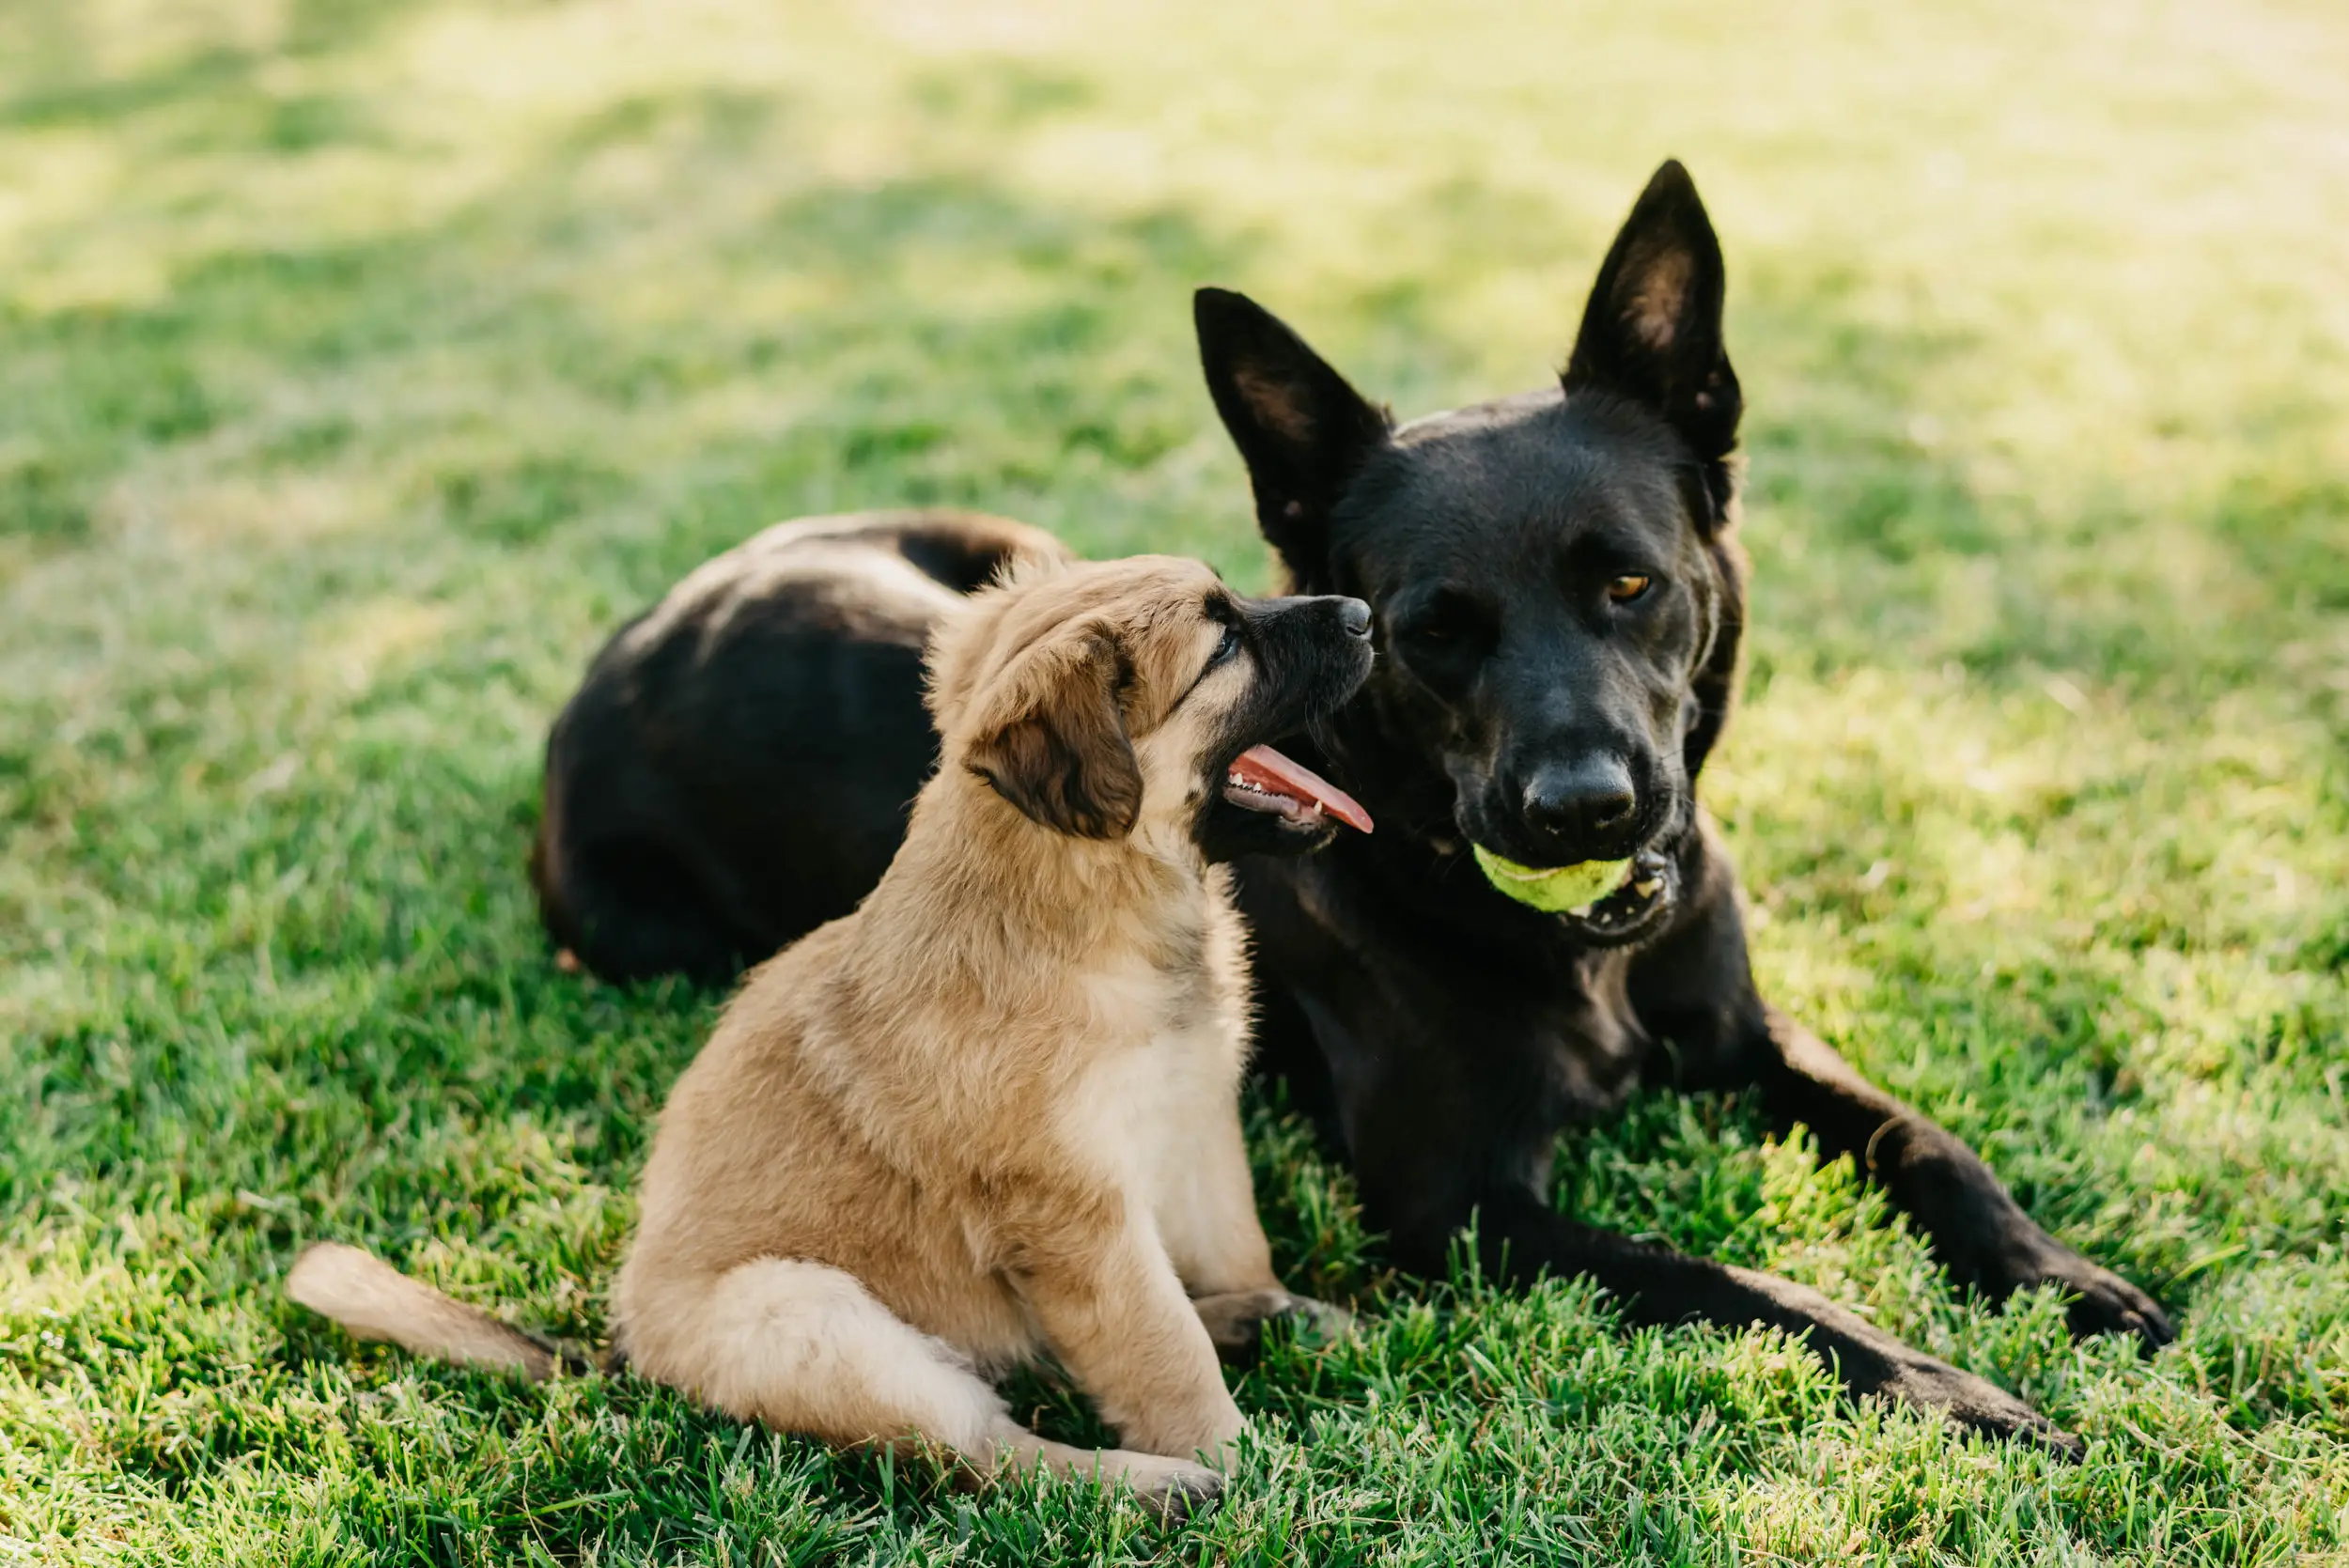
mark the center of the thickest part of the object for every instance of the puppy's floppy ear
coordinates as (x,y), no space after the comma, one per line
(964,632)
(1051,736)
(1652,331)
(1300,428)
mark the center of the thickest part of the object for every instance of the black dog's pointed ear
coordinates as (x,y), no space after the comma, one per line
(1653,329)
(1300,428)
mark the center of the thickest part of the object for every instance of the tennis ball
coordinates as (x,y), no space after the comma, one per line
(1568,887)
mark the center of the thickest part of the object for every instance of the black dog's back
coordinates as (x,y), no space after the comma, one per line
(736,767)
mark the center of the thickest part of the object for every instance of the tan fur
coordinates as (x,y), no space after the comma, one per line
(1275,403)
(992,1114)
(375,1301)
(1654,311)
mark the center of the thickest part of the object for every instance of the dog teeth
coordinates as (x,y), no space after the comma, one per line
(1285,806)
(1645,890)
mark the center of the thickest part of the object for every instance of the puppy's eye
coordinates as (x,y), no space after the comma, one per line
(1226,648)
(1629,586)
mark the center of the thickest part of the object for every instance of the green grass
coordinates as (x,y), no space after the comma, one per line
(361,364)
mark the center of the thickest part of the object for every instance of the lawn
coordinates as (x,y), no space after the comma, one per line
(361,362)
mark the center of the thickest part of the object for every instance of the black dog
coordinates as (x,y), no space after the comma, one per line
(1559,601)
(739,763)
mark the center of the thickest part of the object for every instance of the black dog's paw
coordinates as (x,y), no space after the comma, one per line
(2097,1300)
(1972,1403)
(1235,1320)
(2102,1302)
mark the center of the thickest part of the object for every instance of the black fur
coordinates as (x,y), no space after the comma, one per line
(1526,700)
(738,764)
(1444,1032)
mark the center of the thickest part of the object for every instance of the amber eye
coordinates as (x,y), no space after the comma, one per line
(1630,585)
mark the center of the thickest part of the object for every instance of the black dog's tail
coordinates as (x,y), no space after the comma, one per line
(376,1301)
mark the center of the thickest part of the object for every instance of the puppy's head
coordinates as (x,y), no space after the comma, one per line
(1140,698)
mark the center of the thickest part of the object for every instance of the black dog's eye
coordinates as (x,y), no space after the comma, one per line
(1629,586)
(1446,624)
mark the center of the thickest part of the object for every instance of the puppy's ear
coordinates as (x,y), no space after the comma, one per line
(1652,331)
(1300,428)
(966,631)
(1051,736)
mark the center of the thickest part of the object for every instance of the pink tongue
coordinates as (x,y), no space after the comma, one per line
(1266,768)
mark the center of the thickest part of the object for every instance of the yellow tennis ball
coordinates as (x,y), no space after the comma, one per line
(1568,887)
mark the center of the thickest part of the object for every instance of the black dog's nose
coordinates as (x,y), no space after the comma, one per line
(1355,616)
(1584,798)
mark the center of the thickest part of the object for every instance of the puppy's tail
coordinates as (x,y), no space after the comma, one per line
(376,1301)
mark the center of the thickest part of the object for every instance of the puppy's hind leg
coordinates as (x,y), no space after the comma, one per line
(805,1348)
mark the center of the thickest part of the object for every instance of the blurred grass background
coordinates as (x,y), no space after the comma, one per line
(361,362)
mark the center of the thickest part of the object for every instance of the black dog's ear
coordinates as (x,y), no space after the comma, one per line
(1050,735)
(1653,329)
(1301,430)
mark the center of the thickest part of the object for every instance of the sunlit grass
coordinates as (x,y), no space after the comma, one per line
(361,364)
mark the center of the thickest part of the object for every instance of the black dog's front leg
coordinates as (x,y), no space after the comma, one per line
(1696,990)
(1977,1229)
(1519,1237)
(1438,1150)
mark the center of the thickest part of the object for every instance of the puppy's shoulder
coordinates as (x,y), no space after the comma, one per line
(768,1016)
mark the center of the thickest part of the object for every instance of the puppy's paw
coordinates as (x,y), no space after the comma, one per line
(1179,1492)
(1236,1321)
(1315,1324)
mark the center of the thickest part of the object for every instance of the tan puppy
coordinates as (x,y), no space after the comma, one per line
(992,1114)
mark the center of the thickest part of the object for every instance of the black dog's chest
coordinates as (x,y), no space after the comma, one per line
(1594,1042)
(1465,1035)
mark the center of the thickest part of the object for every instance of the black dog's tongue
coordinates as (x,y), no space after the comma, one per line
(1269,770)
